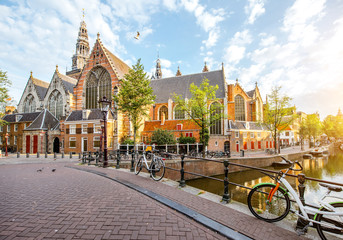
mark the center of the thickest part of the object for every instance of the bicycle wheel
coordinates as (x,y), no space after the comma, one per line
(269,211)
(157,169)
(138,165)
(324,230)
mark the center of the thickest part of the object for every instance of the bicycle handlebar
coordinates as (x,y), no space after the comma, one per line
(293,163)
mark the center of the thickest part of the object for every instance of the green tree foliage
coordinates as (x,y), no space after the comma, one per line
(278,113)
(162,137)
(332,126)
(197,107)
(185,140)
(313,127)
(4,96)
(135,96)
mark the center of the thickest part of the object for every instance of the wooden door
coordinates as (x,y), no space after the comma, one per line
(28,144)
(35,143)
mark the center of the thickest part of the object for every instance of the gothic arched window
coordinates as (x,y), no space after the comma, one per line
(179,113)
(98,84)
(216,111)
(239,108)
(55,104)
(163,110)
(29,104)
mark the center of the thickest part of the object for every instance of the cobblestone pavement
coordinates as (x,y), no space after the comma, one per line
(37,203)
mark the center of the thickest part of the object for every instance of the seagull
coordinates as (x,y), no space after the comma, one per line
(137,36)
(53,170)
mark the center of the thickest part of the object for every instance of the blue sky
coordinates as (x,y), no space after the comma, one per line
(293,43)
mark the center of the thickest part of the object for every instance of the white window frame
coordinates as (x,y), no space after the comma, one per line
(15,127)
(95,139)
(259,135)
(72,129)
(252,135)
(1,128)
(245,134)
(72,139)
(15,140)
(8,128)
(84,129)
(237,134)
(95,130)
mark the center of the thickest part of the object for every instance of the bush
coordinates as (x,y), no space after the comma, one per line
(127,141)
(162,137)
(185,140)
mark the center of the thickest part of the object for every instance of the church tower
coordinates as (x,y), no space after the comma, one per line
(158,73)
(81,55)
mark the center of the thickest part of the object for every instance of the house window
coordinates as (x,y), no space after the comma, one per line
(252,135)
(8,128)
(245,134)
(72,129)
(189,134)
(237,134)
(1,128)
(239,108)
(259,135)
(0,139)
(16,127)
(179,127)
(97,128)
(15,140)
(29,104)
(56,104)
(84,128)
(96,142)
(72,142)
(287,134)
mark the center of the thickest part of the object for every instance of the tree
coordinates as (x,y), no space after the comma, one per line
(162,137)
(4,96)
(302,133)
(332,126)
(278,114)
(135,96)
(198,109)
(313,127)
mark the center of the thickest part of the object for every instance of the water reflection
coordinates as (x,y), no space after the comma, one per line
(326,168)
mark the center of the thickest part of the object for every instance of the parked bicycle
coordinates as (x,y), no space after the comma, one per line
(156,167)
(271,202)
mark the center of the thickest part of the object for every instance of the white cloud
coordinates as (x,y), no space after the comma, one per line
(236,49)
(254,9)
(234,53)
(242,38)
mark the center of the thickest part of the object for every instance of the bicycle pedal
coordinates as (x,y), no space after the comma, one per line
(302,231)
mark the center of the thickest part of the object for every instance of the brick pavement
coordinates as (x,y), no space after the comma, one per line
(72,204)
(245,224)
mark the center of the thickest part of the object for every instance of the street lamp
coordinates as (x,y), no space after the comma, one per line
(41,141)
(6,136)
(229,135)
(104,106)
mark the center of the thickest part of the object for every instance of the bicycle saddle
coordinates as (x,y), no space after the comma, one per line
(332,188)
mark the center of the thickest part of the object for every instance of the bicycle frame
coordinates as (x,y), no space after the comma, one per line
(306,209)
(146,162)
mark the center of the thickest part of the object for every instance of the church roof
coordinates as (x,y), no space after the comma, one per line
(44,120)
(120,67)
(26,117)
(68,82)
(94,114)
(251,93)
(41,87)
(165,87)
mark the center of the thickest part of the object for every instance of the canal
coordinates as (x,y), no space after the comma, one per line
(327,168)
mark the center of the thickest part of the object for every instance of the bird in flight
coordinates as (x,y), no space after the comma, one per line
(137,36)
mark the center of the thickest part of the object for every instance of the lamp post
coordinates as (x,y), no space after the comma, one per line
(104,106)
(6,136)
(41,141)
(229,135)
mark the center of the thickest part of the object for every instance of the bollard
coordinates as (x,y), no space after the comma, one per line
(118,159)
(132,161)
(182,172)
(226,196)
(62,154)
(27,155)
(46,155)
(79,155)
(18,154)
(37,154)
(70,155)
(301,223)
(55,155)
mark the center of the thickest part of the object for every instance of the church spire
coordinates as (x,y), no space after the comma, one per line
(158,73)
(205,69)
(82,46)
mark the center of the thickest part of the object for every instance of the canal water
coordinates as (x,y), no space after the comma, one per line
(328,168)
